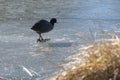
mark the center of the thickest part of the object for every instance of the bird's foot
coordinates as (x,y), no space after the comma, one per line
(42,40)
(46,39)
(38,40)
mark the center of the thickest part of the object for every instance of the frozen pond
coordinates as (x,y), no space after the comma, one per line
(78,22)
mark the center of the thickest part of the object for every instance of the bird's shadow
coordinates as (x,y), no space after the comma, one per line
(47,47)
(60,44)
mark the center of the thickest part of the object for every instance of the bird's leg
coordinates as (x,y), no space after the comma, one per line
(40,38)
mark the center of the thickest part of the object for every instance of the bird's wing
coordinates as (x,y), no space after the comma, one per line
(42,26)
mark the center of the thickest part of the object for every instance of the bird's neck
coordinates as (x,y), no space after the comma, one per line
(52,23)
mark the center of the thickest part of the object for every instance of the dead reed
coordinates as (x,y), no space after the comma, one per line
(99,61)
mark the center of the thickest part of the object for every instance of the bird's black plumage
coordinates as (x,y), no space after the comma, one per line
(43,26)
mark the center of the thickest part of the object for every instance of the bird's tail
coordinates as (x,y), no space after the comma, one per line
(31,28)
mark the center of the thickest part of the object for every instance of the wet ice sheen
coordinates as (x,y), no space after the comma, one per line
(78,21)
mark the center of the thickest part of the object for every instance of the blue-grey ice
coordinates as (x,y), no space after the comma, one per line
(80,22)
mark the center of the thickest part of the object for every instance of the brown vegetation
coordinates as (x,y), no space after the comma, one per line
(101,63)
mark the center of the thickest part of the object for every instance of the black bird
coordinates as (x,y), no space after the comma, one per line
(43,26)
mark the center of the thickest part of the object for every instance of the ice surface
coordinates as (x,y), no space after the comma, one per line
(78,21)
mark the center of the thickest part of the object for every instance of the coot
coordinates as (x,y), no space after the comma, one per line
(43,26)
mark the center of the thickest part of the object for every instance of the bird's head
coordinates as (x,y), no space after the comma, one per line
(53,20)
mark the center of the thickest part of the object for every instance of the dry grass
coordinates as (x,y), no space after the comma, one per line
(102,62)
